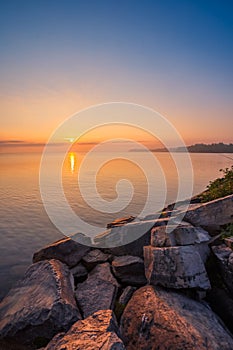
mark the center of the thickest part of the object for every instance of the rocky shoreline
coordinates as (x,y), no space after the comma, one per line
(162,291)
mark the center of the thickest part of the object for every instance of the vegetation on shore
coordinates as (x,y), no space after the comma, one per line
(196,148)
(208,148)
(220,187)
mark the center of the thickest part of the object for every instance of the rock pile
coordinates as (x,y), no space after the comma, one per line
(70,295)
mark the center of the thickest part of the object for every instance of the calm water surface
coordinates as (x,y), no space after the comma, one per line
(25,226)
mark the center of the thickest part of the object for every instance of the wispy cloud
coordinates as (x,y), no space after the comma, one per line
(7,142)
(20,143)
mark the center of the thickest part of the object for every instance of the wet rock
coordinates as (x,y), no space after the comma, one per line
(175,267)
(98,292)
(212,214)
(129,270)
(66,250)
(158,319)
(39,305)
(95,257)
(99,331)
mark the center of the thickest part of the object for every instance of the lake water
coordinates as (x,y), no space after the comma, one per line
(25,226)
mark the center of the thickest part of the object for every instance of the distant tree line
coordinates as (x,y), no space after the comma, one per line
(211,148)
(197,148)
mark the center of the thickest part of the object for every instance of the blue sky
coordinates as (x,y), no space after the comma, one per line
(173,56)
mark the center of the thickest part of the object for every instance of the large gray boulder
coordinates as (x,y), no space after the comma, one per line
(175,267)
(212,214)
(99,331)
(98,292)
(173,235)
(181,235)
(39,305)
(66,250)
(158,319)
(129,270)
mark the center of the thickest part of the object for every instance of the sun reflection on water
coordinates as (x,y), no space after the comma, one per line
(72,161)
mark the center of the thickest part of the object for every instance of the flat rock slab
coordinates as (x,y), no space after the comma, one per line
(121,221)
(40,305)
(99,331)
(127,239)
(98,292)
(94,257)
(129,270)
(175,267)
(173,235)
(66,250)
(212,214)
(157,319)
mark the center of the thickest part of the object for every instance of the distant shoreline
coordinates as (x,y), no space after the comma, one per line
(197,148)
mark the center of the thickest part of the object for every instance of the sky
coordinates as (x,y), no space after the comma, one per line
(58,57)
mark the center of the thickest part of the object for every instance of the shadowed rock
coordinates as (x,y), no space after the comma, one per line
(126,295)
(39,305)
(157,319)
(79,273)
(66,250)
(129,270)
(224,257)
(99,331)
(98,292)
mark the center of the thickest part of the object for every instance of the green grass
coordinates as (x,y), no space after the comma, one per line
(220,187)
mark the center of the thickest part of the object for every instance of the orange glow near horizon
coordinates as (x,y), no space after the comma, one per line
(33,118)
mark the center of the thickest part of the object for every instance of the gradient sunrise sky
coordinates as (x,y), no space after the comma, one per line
(174,56)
